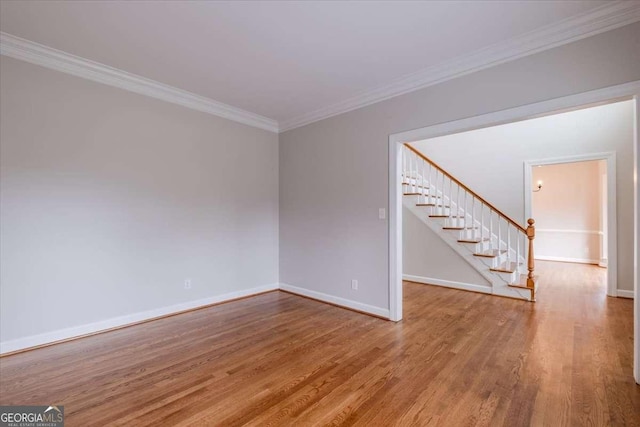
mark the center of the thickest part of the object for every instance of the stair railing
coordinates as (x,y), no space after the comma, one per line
(452,199)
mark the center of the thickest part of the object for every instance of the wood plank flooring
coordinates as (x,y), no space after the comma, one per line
(458,358)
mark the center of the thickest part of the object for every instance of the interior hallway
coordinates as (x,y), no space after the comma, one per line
(457,358)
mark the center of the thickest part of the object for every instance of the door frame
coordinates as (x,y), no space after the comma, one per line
(621,92)
(612,222)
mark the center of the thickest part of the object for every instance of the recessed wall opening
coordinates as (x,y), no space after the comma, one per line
(582,148)
(467,201)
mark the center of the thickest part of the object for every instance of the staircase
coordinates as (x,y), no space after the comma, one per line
(499,248)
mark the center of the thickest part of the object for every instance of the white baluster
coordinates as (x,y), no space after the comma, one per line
(438,187)
(442,194)
(508,242)
(414,172)
(408,173)
(458,206)
(481,221)
(421,174)
(518,236)
(465,209)
(473,217)
(409,164)
(402,161)
(424,182)
(450,198)
(429,182)
(433,189)
(404,165)
(490,228)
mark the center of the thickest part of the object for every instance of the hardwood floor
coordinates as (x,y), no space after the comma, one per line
(458,358)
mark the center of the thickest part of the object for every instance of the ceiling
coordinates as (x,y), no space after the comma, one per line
(279,59)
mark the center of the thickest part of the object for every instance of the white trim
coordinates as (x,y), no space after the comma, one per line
(58,60)
(629,90)
(612,219)
(624,293)
(449,284)
(343,302)
(524,112)
(611,15)
(90,328)
(604,18)
(568,231)
(395,231)
(636,240)
(566,259)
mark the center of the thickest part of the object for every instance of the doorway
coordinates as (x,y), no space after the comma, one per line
(629,91)
(573,202)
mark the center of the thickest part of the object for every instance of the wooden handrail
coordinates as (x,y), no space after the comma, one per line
(451,177)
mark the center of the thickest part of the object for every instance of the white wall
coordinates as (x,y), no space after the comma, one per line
(568,211)
(334,174)
(109,200)
(493,164)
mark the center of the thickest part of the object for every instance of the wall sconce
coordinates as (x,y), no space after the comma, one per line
(539,187)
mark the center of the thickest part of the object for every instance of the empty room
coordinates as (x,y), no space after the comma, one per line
(301,213)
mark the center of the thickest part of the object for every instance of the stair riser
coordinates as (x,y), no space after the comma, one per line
(495,261)
(455,222)
(469,234)
(477,247)
(507,277)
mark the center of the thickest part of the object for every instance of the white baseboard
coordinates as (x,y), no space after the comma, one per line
(90,328)
(485,289)
(565,259)
(623,293)
(343,302)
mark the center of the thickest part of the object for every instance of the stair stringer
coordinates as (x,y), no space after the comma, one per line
(422,182)
(499,286)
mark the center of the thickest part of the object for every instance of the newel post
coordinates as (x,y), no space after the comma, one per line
(531,234)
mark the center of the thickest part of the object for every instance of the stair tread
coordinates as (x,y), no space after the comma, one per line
(491,253)
(478,240)
(439,216)
(433,204)
(507,267)
(460,228)
(522,282)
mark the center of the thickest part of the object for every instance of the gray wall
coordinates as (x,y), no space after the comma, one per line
(426,255)
(334,174)
(110,200)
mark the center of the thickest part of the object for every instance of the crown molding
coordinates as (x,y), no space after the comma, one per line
(26,50)
(598,20)
(604,18)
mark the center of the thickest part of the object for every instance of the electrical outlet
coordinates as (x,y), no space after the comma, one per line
(354,284)
(187,283)
(382,213)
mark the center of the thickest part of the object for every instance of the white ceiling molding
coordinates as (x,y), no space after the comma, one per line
(607,17)
(58,60)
